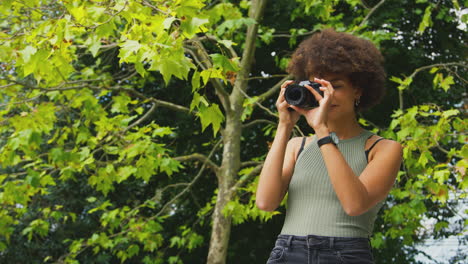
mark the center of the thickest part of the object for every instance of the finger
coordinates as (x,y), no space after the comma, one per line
(284,106)
(317,96)
(321,81)
(281,96)
(286,83)
(298,109)
(324,83)
(283,89)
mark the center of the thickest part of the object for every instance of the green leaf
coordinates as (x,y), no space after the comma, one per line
(212,74)
(94,44)
(195,81)
(223,63)
(120,104)
(211,115)
(128,48)
(168,22)
(192,26)
(231,25)
(33,178)
(171,67)
(440,225)
(446,83)
(227,43)
(79,13)
(27,53)
(125,172)
(426,21)
(133,250)
(377,240)
(197,100)
(162,131)
(175,260)
(449,113)
(36,60)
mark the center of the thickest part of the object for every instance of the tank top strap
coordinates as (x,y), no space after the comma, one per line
(371,147)
(302,147)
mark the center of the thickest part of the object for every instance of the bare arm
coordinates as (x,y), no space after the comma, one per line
(279,163)
(277,170)
(358,194)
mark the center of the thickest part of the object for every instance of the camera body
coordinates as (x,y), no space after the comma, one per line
(298,95)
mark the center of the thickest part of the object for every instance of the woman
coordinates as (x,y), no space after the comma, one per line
(336,180)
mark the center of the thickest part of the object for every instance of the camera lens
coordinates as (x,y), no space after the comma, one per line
(298,95)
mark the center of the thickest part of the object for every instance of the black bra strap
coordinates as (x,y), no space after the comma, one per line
(371,147)
(302,147)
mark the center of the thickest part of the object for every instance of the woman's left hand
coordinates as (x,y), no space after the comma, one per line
(317,117)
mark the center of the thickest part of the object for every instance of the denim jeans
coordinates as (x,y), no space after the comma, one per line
(320,250)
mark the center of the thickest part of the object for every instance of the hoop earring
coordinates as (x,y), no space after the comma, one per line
(356,103)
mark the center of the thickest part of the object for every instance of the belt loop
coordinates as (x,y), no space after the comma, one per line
(331,241)
(290,238)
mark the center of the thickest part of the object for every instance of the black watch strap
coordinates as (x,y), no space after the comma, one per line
(325,140)
(332,138)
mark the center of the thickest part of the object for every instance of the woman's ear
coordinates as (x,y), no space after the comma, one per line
(357,92)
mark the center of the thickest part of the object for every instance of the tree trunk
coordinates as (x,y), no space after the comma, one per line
(221,228)
(230,166)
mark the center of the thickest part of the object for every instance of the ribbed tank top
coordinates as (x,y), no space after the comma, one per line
(313,207)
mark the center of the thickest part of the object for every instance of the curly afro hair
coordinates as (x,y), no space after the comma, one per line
(329,51)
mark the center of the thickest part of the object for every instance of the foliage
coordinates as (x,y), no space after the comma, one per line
(113,113)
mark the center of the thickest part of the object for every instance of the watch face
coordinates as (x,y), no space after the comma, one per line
(334,137)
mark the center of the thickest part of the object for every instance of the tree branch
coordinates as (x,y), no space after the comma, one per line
(369,14)
(255,12)
(143,118)
(439,147)
(257,103)
(190,184)
(172,106)
(200,157)
(107,21)
(274,89)
(216,40)
(146,3)
(250,163)
(266,77)
(197,50)
(257,121)
(7,85)
(62,87)
(246,178)
(22,101)
(445,65)
(290,36)
(415,72)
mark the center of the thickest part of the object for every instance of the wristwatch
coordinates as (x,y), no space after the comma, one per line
(332,138)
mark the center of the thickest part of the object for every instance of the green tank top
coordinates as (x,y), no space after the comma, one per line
(313,207)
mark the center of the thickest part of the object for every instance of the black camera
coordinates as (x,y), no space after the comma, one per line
(298,95)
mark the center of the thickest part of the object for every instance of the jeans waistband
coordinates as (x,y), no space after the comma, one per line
(326,242)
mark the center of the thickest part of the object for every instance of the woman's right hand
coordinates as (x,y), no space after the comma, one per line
(286,117)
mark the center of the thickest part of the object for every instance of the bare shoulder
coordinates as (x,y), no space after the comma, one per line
(390,145)
(295,141)
(384,148)
(294,146)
